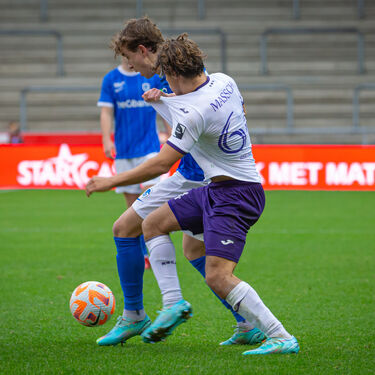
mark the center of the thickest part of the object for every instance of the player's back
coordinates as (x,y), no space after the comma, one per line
(213,118)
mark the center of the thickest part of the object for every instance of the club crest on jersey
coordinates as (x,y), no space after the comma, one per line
(180,130)
(146,86)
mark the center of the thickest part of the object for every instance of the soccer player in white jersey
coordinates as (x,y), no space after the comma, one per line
(139,41)
(208,121)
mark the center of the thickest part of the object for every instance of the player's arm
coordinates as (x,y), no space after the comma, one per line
(156,166)
(106,120)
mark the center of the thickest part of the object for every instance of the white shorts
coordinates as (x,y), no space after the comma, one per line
(123,165)
(162,192)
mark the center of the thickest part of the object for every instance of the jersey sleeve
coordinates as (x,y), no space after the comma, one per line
(106,98)
(186,127)
(186,132)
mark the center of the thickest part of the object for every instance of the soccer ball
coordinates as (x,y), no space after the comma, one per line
(92,303)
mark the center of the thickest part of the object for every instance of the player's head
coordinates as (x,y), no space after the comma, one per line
(139,41)
(180,58)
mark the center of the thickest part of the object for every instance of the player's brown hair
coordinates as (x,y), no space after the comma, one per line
(141,31)
(181,57)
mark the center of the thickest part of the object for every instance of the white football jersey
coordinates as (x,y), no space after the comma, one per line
(210,124)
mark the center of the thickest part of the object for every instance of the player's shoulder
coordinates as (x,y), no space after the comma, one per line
(112,74)
(221,78)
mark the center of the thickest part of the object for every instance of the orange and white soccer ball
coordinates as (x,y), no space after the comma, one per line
(92,303)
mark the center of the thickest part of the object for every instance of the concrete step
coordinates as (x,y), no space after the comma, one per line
(307,97)
(304,68)
(230,25)
(315,113)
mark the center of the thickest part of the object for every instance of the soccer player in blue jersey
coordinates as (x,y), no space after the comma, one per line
(136,137)
(213,128)
(139,42)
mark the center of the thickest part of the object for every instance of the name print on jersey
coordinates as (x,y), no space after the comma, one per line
(223,97)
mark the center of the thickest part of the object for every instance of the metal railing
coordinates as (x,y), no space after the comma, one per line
(293,31)
(289,99)
(290,129)
(297,13)
(208,31)
(43,11)
(356,93)
(201,9)
(56,34)
(46,89)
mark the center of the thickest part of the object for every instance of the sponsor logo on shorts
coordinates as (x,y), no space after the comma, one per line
(227,242)
(146,193)
(180,130)
(184,110)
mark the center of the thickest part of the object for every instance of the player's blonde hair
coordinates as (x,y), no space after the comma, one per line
(141,31)
(181,57)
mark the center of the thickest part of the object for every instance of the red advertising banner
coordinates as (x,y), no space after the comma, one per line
(302,167)
(316,167)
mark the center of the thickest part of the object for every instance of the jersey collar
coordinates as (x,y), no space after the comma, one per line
(129,74)
(203,84)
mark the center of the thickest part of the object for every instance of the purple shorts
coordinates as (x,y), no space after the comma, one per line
(223,212)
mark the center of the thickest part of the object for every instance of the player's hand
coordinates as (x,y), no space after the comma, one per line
(98,184)
(154,95)
(109,148)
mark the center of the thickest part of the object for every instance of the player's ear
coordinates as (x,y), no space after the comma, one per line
(143,50)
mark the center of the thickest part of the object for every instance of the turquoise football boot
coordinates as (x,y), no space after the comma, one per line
(276,345)
(167,321)
(243,336)
(123,330)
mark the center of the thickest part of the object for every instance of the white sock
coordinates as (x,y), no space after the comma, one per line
(136,315)
(245,325)
(245,300)
(163,264)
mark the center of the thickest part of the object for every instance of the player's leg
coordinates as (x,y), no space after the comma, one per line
(130,265)
(141,238)
(235,207)
(156,228)
(245,333)
(245,300)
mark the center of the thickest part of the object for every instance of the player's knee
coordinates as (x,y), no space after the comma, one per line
(117,229)
(148,228)
(151,227)
(217,281)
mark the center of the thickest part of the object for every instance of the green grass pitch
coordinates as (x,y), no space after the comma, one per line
(311,258)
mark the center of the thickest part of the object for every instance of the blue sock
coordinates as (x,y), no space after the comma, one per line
(143,245)
(130,266)
(199,264)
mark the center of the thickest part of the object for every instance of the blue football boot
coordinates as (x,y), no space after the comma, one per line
(167,321)
(123,330)
(276,345)
(243,336)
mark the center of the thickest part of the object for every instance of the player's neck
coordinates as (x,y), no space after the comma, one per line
(188,85)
